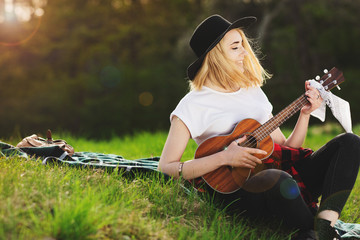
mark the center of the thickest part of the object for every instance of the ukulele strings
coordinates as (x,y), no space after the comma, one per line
(273,123)
(286,114)
(281,118)
(259,134)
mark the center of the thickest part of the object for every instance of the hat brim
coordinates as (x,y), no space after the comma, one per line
(240,23)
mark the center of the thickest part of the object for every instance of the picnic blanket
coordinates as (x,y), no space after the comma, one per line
(55,154)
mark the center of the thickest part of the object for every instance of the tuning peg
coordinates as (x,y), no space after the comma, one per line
(325,70)
(338,87)
(317,78)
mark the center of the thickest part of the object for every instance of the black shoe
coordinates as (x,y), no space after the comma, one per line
(324,231)
(308,234)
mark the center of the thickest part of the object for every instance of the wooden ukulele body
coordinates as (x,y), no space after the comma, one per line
(227,179)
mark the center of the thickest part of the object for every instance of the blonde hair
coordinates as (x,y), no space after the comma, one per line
(222,72)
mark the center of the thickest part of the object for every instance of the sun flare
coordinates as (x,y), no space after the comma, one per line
(21,11)
(15,25)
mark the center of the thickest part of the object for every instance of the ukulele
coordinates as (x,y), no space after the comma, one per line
(227,179)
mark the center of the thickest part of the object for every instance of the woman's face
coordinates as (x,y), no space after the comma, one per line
(233,47)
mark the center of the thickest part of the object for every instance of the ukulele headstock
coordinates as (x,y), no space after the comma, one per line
(331,79)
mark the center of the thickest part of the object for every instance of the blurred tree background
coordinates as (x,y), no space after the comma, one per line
(99,68)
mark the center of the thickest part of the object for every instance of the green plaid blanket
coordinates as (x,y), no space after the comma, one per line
(81,159)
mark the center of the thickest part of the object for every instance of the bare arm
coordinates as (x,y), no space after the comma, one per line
(297,137)
(175,145)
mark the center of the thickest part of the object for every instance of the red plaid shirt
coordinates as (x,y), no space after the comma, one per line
(283,158)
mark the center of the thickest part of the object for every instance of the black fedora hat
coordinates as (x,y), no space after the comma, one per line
(208,34)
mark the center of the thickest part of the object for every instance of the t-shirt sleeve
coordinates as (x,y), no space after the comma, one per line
(268,105)
(183,111)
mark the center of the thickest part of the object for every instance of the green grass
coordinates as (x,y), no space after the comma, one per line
(60,202)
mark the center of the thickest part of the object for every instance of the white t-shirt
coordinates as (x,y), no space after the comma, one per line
(208,113)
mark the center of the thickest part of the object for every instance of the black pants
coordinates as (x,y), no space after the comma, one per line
(330,172)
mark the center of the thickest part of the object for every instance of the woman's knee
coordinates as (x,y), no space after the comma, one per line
(351,144)
(349,139)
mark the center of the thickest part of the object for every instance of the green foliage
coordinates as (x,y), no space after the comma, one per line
(84,65)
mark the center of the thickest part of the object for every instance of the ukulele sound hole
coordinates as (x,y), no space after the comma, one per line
(250,142)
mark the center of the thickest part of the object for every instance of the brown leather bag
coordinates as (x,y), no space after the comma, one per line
(36,141)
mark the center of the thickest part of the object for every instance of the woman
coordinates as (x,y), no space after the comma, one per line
(225,89)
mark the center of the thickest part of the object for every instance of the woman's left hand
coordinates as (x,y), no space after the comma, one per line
(314,98)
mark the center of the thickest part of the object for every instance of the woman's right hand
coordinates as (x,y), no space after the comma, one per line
(238,156)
